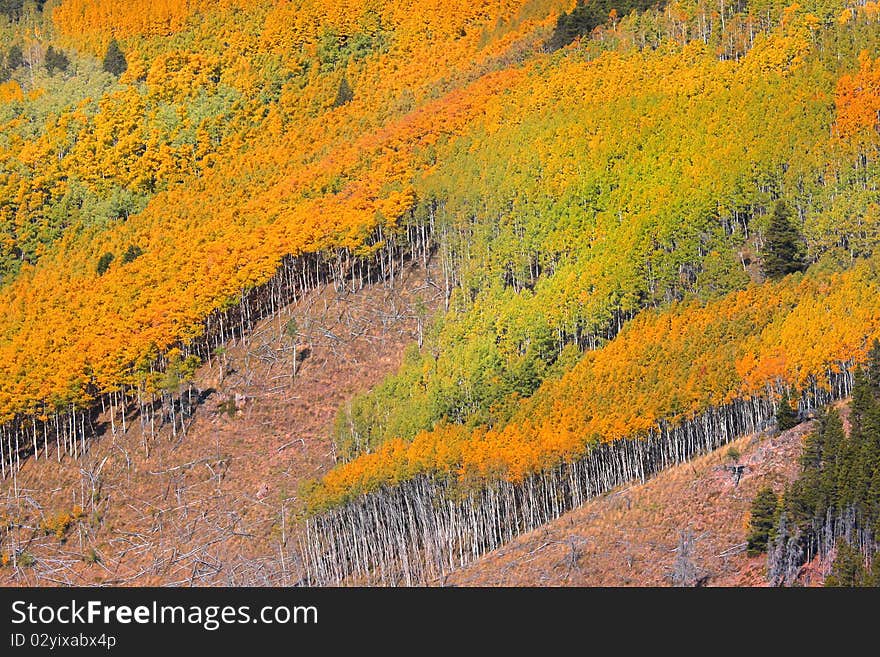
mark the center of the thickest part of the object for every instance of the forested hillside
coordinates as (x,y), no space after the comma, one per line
(222,148)
(650,220)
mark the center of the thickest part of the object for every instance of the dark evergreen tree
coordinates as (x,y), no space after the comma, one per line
(799,505)
(114,59)
(55,60)
(345,94)
(811,457)
(850,484)
(782,254)
(104,263)
(872,369)
(133,252)
(872,502)
(764,515)
(838,490)
(833,461)
(873,578)
(14,58)
(786,416)
(862,401)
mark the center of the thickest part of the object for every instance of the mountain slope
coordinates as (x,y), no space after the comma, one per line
(645,223)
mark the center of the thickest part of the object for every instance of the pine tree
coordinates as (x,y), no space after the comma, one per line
(873,578)
(811,457)
(872,502)
(834,440)
(14,58)
(55,60)
(104,263)
(345,94)
(798,503)
(786,416)
(765,509)
(850,483)
(862,453)
(862,400)
(132,253)
(586,16)
(782,253)
(11,8)
(114,59)
(848,568)
(872,370)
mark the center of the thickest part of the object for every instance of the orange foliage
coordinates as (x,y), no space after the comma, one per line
(858,99)
(59,523)
(97,21)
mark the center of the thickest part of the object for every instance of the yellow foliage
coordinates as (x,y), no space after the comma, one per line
(59,523)
(10,91)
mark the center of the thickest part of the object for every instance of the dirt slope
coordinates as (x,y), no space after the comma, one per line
(212,506)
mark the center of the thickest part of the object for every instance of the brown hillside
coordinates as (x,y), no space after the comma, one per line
(212,506)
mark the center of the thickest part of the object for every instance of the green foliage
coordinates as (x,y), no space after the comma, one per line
(786,416)
(91,556)
(114,62)
(132,253)
(764,515)
(550,229)
(848,569)
(11,8)
(291,328)
(228,408)
(840,477)
(587,15)
(104,263)
(872,372)
(783,249)
(178,371)
(26,560)
(336,49)
(14,57)
(462,375)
